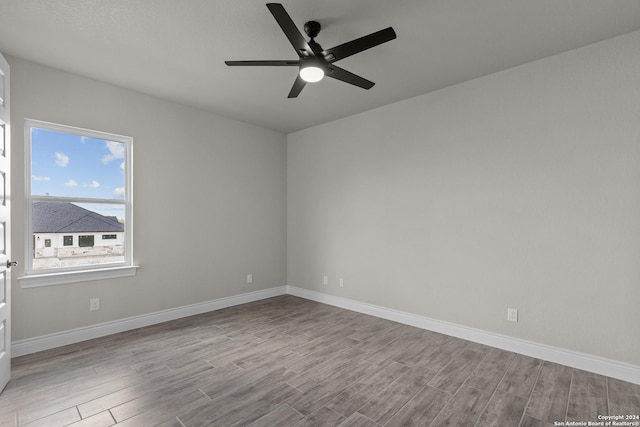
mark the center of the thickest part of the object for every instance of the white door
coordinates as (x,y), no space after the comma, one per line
(5,229)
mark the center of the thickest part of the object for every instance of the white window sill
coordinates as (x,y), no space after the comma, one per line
(48,279)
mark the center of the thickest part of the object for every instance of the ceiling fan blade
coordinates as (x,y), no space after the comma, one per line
(358,45)
(298,85)
(276,63)
(290,30)
(338,73)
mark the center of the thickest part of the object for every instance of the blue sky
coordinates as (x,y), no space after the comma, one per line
(66,165)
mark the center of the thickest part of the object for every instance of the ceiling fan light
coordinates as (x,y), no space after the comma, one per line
(311,74)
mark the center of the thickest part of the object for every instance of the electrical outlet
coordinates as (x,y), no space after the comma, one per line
(249,278)
(94,304)
(512,314)
(325,280)
(341,282)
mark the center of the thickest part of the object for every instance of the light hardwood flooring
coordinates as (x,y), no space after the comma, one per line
(286,361)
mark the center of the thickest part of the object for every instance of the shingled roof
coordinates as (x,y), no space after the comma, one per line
(65,217)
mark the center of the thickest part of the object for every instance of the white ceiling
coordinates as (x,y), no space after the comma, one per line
(175,49)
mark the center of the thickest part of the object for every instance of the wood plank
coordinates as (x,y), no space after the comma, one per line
(550,394)
(225,380)
(310,360)
(332,368)
(167,412)
(174,422)
(322,417)
(521,376)
(103,419)
(422,409)
(588,396)
(240,407)
(454,419)
(159,401)
(384,406)
(442,356)
(356,396)
(159,382)
(9,419)
(61,418)
(322,393)
(456,372)
(67,398)
(282,415)
(358,420)
(468,400)
(503,409)
(529,421)
(491,370)
(624,397)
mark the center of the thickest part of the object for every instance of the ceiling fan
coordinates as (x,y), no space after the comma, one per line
(315,62)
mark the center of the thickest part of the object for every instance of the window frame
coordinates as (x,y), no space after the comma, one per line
(36,278)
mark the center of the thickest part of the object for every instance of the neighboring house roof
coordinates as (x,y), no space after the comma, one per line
(65,217)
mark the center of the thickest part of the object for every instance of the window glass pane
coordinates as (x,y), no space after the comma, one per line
(86,241)
(67,241)
(69,165)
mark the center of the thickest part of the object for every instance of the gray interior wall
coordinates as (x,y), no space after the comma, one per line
(209,202)
(519,189)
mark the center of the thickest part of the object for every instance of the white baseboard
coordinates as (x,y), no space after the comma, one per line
(46,342)
(587,362)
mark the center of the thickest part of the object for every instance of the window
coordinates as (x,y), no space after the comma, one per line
(78,185)
(85,241)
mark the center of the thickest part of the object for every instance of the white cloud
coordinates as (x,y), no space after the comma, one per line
(116,151)
(122,165)
(94,184)
(41,178)
(62,160)
(118,191)
(71,183)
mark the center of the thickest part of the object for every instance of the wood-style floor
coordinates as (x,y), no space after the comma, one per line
(286,361)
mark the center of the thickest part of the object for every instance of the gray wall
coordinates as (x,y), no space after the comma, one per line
(209,202)
(519,189)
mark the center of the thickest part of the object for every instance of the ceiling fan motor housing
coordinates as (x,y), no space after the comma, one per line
(312,28)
